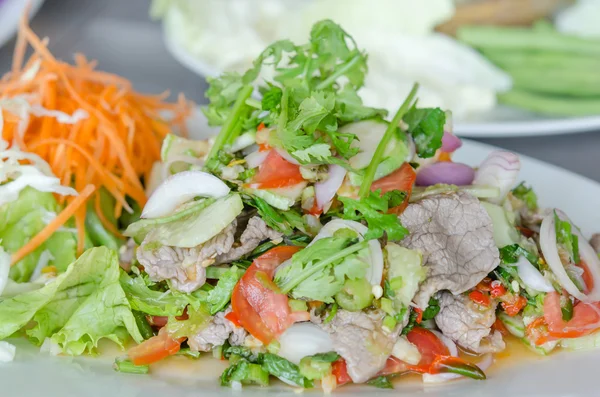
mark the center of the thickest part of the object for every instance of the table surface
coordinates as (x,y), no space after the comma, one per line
(119,34)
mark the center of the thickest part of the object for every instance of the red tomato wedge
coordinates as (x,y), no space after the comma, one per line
(588,279)
(276,172)
(402,179)
(585,320)
(430,347)
(340,371)
(256,302)
(154,349)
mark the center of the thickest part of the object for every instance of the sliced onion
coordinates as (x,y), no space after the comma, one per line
(375,271)
(532,277)
(180,188)
(450,142)
(303,339)
(586,252)
(325,191)
(499,169)
(255,159)
(287,157)
(445,172)
(447,341)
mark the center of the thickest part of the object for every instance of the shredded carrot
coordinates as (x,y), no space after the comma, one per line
(54,225)
(113,145)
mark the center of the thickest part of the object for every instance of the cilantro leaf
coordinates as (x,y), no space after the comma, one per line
(373,209)
(318,151)
(566,238)
(222,92)
(426,126)
(283,221)
(432,310)
(349,107)
(527,195)
(318,272)
(284,369)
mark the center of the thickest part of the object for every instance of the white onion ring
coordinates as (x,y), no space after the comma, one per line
(303,339)
(586,252)
(375,271)
(255,159)
(447,341)
(532,277)
(180,188)
(286,156)
(325,191)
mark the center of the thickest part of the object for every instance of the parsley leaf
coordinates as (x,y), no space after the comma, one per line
(432,310)
(566,238)
(373,209)
(426,125)
(349,107)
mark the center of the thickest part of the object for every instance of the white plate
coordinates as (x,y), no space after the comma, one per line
(501,122)
(564,374)
(10,14)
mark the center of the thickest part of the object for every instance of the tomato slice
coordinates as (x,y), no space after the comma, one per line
(154,349)
(588,279)
(259,307)
(340,371)
(585,320)
(402,179)
(513,307)
(276,172)
(430,347)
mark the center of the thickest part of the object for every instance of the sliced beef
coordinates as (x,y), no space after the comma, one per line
(256,232)
(359,338)
(595,242)
(218,331)
(455,235)
(468,324)
(184,267)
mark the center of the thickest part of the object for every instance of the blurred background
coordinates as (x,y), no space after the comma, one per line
(545,72)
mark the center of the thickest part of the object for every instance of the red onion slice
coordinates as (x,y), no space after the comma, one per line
(450,142)
(500,169)
(445,172)
(326,190)
(586,252)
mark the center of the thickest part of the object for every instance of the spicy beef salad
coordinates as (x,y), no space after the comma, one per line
(318,241)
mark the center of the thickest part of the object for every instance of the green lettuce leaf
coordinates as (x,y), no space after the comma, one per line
(22,219)
(220,296)
(80,307)
(154,303)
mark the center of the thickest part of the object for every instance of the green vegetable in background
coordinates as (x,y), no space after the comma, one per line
(381,382)
(82,306)
(21,220)
(552,72)
(246,373)
(284,369)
